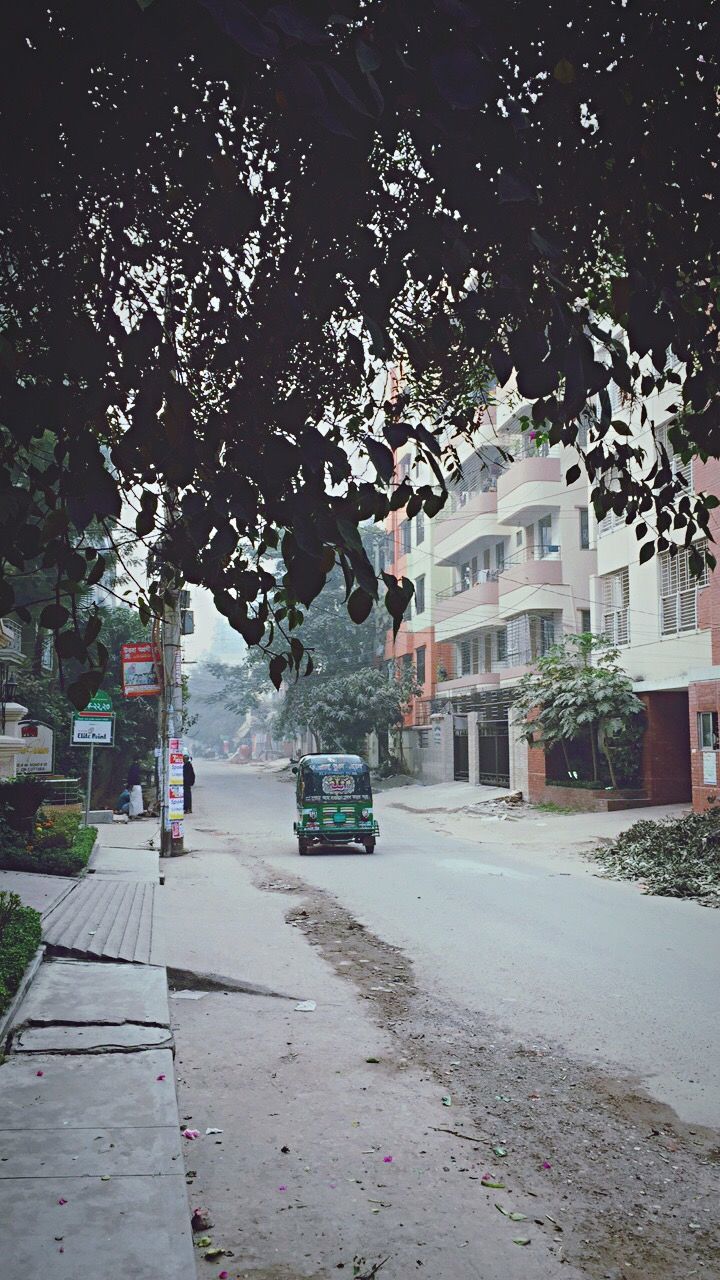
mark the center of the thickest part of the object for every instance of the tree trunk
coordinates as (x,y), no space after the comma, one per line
(594,749)
(613,776)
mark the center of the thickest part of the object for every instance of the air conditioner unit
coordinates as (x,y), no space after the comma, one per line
(184,599)
(187,622)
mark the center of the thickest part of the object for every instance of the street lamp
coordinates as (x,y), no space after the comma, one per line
(8,689)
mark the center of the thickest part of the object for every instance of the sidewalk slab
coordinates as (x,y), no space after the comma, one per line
(111,1090)
(78,991)
(125,861)
(38,891)
(129,1228)
(105,919)
(441,797)
(130,1037)
(92,1153)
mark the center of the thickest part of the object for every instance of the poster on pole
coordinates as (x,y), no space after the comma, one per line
(175,788)
(35,755)
(141,670)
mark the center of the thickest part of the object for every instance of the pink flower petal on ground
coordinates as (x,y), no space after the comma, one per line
(546,1164)
(387,1159)
(223,1275)
(62,1201)
(39,1073)
(159,1077)
(191,1134)
(282,1188)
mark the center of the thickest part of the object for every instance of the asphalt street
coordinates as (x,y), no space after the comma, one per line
(534,941)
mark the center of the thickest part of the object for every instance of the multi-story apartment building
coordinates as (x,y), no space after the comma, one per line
(514,562)
(514,547)
(410,552)
(666,624)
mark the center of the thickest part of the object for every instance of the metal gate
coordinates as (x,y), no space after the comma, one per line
(460,749)
(494,752)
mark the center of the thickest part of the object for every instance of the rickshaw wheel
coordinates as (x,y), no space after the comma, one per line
(302,846)
(369,846)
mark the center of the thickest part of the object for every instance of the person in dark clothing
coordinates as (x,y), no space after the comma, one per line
(134,786)
(188,783)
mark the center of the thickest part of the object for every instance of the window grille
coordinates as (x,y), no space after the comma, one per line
(680,470)
(616,606)
(678,591)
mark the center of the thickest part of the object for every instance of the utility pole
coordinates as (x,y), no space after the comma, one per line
(171,706)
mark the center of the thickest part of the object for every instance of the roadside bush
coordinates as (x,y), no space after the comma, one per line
(20,934)
(672,857)
(20,799)
(59,845)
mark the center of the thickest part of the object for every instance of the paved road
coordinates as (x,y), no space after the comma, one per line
(532,941)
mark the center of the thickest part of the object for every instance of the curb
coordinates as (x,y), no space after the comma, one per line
(6,1021)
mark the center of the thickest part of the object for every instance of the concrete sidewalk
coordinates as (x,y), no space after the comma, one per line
(91,1170)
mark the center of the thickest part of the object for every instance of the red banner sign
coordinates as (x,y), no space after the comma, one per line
(141,670)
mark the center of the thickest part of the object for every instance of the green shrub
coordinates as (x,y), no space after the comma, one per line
(59,846)
(20,799)
(20,933)
(673,857)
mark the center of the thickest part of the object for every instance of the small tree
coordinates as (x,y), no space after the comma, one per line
(341,711)
(579,687)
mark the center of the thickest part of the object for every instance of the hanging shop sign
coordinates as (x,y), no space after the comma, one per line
(141,670)
(35,753)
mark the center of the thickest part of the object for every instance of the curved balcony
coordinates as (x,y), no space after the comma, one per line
(536,573)
(464,608)
(528,490)
(465,522)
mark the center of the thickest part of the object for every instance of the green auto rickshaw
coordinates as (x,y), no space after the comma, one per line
(334,802)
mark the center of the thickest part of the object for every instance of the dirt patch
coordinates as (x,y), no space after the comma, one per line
(629,1191)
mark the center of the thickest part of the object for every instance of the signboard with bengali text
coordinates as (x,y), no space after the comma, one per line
(141,670)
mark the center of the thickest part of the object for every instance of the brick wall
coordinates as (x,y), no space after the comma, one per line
(703,695)
(666,747)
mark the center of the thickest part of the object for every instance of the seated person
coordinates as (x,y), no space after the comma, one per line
(123,802)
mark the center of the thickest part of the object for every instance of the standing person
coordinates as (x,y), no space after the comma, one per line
(188,783)
(134,781)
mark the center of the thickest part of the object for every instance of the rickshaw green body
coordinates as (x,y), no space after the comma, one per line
(334,802)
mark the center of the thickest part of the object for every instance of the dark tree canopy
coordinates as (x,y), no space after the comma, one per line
(223,220)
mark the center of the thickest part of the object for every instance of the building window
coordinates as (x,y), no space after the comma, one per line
(419,528)
(547,635)
(424,739)
(501,646)
(616,605)
(678,591)
(405,537)
(680,470)
(407,663)
(464,657)
(499,556)
(584,528)
(47,651)
(708,739)
(545,535)
(420,664)
(404,468)
(518,538)
(420,594)
(585,623)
